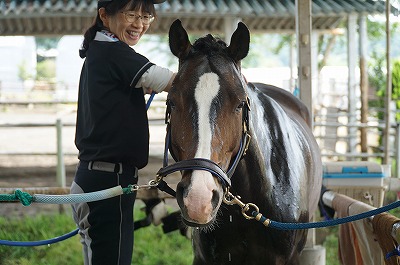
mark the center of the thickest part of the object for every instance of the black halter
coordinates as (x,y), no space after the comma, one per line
(202,163)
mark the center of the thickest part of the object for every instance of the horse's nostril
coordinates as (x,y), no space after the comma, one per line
(181,190)
(180,194)
(215,198)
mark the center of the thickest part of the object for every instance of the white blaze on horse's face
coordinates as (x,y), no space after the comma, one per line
(203,185)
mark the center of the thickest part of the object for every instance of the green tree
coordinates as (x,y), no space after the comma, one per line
(23,73)
(396,87)
(45,68)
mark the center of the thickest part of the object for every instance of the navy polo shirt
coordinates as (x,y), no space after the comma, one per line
(112,122)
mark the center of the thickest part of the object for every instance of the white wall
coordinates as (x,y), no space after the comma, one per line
(14,52)
(68,67)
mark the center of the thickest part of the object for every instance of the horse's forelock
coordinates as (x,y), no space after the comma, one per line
(210,45)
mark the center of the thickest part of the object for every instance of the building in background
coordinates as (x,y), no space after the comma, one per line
(18,67)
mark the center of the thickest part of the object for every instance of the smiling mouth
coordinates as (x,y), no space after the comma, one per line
(133,34)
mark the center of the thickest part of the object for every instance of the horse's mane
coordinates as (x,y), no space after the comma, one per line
(209,45)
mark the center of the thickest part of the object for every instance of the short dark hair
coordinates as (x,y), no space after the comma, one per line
(112,8)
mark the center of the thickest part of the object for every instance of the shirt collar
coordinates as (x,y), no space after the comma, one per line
(105,35)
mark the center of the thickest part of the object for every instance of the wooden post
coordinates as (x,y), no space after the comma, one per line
(61,179)
(293,64)
(303,30)
(311,255)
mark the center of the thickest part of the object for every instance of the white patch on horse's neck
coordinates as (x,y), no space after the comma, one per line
(262,135)
(206,90)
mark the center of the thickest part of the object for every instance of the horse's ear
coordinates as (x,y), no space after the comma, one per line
(179,40)
(240,42)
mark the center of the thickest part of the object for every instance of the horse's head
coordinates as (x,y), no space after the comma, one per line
(206,107)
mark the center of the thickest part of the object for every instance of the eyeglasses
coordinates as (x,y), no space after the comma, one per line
(132,17)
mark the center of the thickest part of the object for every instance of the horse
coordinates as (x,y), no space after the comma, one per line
(252,139)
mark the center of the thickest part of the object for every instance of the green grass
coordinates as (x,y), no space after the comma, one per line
(39,228)
(152,246)
(331,246)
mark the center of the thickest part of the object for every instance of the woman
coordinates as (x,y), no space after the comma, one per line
(112,133)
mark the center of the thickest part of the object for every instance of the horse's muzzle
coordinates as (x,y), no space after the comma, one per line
(199,195)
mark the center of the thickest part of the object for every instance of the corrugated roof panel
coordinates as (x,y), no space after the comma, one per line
(160,8)
(176,7)
(279,7)
(346,7)
(260,14)
(376,6)
(48,7)
(290,6)
(199,5)
(233,7)
(212,8)
(71,6)
(12,8)
(315,8)
(268,8)
(330,6)
(358,5)
(58,6)
(320,6)
(36,7)
(82,6)
(188,6)
(221,6)
(245,8)
(256,7)
(23,7)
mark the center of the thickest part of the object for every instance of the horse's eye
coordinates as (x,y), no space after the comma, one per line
(170,104)
(240,107)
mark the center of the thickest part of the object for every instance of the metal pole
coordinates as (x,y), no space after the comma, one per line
(386,158)
(363,42)
(61,179)
(351,62)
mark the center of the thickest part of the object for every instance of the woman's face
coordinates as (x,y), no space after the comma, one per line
(128,32)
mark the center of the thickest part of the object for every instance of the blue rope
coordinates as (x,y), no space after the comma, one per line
(333,222)
(38,243)
(150,100)
(394,253)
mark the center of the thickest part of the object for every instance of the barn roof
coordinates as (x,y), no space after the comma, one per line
(70,17)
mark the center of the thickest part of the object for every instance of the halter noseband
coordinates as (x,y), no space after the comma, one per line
(202,163)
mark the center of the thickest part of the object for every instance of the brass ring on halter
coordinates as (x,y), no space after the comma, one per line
(246,208)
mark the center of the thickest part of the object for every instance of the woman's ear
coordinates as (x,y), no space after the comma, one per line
(103,16)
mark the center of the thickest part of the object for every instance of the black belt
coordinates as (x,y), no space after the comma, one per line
(108,167)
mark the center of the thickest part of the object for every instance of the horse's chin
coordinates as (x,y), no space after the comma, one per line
(195,224)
